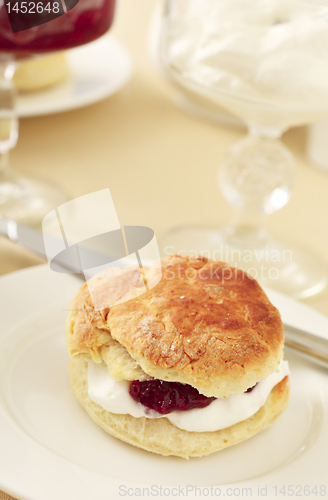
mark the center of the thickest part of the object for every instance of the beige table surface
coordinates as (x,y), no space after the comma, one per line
(159,163)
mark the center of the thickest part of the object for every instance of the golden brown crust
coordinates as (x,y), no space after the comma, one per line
(162,437)
(204,324)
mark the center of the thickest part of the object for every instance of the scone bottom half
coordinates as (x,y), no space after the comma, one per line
(204,324)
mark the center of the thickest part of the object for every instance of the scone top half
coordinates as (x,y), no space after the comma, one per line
(205,324)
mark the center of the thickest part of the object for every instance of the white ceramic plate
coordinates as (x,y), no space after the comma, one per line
(50,449)
(97,70)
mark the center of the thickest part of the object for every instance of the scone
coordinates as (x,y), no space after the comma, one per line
(192,366)
(39,73)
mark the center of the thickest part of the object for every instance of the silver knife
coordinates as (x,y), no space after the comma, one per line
(308,345)
(72,260)
(27,237)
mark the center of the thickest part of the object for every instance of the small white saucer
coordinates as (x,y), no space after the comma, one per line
(98,70)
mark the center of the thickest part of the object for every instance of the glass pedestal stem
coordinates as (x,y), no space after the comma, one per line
(21,199)
(8,118)
(256,179)
(246,227)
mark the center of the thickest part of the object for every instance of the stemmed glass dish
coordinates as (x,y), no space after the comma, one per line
(265,61)
(23,199)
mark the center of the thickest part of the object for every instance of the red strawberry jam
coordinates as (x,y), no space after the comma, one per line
(165,397)
(250,389)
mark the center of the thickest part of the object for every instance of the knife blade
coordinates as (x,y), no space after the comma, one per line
(68,261)
(308,345)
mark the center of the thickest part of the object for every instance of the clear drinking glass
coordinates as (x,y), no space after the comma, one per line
(26,200)
(265,61)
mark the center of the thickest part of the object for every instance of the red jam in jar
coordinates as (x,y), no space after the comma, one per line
(86,22)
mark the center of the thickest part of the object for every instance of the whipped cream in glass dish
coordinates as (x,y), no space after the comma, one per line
(266,61)
(265,50)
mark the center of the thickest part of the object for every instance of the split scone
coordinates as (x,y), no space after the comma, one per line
(190,367)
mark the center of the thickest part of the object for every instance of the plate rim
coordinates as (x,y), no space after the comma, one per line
(60,106)
(111,483)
